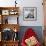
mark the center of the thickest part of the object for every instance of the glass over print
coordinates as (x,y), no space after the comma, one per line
(30,13)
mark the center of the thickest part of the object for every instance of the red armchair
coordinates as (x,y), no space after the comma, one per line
(28,34)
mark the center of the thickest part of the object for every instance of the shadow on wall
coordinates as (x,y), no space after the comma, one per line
(37,29)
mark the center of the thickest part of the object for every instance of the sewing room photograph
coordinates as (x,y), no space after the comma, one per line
(22,22)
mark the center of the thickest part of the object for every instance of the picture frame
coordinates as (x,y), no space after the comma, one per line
(5,12)
(13,12)
(30,13)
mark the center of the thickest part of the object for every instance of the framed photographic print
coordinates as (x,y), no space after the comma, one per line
(13,12)
(30,13)
(5,12)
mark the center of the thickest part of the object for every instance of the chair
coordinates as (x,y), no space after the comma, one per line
(28,34)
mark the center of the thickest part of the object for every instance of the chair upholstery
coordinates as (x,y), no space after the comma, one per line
(29,33)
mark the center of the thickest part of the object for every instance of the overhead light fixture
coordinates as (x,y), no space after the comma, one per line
(18,2)
(15,3)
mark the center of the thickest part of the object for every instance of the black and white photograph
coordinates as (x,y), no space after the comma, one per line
(30,13)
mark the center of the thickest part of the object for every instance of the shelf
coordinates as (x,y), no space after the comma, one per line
(5,8)
(9,15)
(10,26)
(9,22)
(9,10)
(11,41)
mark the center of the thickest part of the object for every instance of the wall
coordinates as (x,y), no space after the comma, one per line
(27,3)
